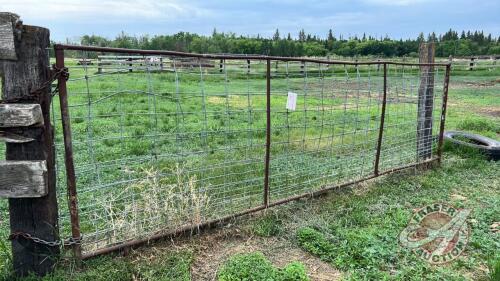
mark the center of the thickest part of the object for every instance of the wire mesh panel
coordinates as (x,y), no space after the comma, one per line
(163,141)
(413,96)
(158,150)
(330,137)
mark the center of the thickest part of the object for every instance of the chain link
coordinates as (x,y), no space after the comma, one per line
(68,242)
(55,74)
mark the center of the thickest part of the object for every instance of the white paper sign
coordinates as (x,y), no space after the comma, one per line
(291,101)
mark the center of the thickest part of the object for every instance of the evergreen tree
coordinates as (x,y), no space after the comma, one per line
(276,35)
(330,35)
(302,35)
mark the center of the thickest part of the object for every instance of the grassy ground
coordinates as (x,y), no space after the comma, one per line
(353,231)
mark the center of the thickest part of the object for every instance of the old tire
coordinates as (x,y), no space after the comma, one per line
(489,147)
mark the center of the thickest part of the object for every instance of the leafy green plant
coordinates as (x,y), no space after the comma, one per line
(315,242)
(256,267)
(294,271)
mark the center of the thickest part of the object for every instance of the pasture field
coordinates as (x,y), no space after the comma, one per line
(162,150)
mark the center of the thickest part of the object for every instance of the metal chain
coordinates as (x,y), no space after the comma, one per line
(68,242)
(55,74)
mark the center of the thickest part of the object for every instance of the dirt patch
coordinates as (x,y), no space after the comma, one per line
(215,249)
(458,197)
(231,100)
(474,84)
(491,111)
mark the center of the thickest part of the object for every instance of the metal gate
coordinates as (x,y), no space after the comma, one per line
(162,142)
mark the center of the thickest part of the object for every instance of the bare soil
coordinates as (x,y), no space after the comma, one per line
(474,84)
(214,249)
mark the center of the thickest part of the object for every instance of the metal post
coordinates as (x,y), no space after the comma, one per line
(268,133)
(382,120)
(443,112)
(68,156)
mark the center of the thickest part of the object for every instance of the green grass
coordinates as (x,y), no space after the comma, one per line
(268,225)
(169,266)
(255,267)
(137,172)
(360,233)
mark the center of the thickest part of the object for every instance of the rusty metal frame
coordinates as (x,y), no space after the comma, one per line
(268,133)
(229,57)
(443,112)
(70,170)
(381,127)
(68,156)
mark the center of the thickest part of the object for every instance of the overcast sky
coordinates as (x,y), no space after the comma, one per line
(396,18)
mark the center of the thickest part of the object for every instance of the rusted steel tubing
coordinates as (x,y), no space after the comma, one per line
(443,112)
(235,57)
(68,156)
(213,223)
(382,120)
(268,134)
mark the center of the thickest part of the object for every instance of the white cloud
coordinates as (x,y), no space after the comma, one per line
(102,10)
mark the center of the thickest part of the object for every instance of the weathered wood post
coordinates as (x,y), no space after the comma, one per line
(99,65)
(28,174)
(425,101)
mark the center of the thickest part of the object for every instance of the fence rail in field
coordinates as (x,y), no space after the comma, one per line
(127,63)
(474,62)
(216,136)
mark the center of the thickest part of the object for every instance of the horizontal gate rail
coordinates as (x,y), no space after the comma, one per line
(223,56)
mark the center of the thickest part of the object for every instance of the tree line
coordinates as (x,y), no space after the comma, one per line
(452,43)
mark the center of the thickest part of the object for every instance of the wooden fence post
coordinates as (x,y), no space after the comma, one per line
(425,101)
(99,66)
(22,74)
